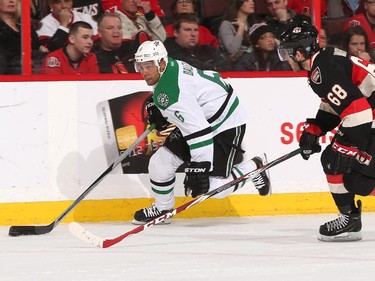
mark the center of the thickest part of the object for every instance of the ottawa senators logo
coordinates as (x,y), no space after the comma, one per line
(316,76)
(53,62)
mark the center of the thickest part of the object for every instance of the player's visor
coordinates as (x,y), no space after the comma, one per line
(284,53)
(143,66)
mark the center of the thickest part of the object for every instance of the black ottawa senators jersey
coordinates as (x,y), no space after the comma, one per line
(345,86)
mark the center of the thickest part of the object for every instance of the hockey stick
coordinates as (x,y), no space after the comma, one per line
(43,229)
(80,232)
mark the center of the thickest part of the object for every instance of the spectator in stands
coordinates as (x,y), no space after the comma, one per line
(10,39)
(91,7)
(304,7)
(54,30)
(366,20)
(35,10)
(264,56)
(344,8)
(356,43)
(134,23)
(184,45)
(112,6)
(113,54)
(76,56)
(189,6)
(233,31)
(279,15)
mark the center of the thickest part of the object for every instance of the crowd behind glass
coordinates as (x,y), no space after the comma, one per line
(93,36)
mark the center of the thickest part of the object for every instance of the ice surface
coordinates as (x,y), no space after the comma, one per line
(252,248)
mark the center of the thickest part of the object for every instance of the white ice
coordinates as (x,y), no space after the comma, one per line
(253,248)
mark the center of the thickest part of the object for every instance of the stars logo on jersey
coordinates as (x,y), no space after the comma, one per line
(316,76)
(163,99)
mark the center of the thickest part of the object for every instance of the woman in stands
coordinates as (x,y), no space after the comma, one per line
(233,31)
(356,43)
(263,56)
(10,39)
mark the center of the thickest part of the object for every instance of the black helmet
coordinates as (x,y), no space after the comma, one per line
(300,34)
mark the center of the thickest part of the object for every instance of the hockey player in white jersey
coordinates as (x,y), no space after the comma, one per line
(210,126)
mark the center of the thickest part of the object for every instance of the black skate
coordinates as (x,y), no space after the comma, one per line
(262,180)
(347,227)
(148,214)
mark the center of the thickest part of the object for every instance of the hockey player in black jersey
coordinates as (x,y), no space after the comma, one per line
(345,85)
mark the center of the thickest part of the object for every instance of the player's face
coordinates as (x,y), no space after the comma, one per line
(293,64)
(110,33)
(247,7)
(357,45)
(58,5)
(267,42)
(188,35)
(298,59)
(149,72)
(82,40)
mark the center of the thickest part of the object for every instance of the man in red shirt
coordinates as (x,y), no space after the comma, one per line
(366,20)
(76,56)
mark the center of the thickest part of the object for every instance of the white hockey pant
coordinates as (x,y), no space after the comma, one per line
(162,171)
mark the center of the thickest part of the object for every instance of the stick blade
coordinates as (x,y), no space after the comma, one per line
(82,233)
(22,230)
(30,229)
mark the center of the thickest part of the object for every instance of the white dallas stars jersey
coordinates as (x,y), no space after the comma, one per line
(200,103)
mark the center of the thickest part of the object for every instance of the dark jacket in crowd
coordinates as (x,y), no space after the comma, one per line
(251,62)
(10,49)
(205,57)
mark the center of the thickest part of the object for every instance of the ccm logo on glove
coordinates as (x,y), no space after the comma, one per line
(361,156)
(347,150)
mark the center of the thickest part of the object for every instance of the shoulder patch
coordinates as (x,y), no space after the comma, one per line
(53,62)
(338,52)
(316,76)
(163,99)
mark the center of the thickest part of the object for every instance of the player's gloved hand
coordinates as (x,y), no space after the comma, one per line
(309,141)
(197,178)
(341,157)
(155,116)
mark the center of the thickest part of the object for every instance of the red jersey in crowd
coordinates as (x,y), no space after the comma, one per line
(58,62)
(304,7)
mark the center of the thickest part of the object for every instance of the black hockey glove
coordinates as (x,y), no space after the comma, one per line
(340,158)
(197,178)
(155,116)
(309,141)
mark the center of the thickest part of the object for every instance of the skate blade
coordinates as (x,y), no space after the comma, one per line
(344,237)
(166,221)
